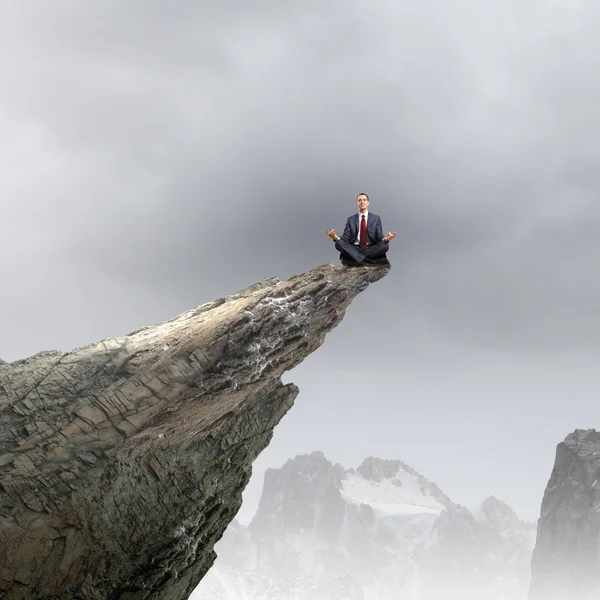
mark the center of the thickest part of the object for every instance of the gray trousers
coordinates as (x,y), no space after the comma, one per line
(357,254)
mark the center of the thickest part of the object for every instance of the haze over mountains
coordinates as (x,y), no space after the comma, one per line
(375,532)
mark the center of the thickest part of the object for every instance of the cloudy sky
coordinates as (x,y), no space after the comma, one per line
(158,155)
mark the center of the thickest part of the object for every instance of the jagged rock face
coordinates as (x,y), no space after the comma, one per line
(122,463)
(311,499)
(316,518)
(566,559)
(498,515)
(384,525)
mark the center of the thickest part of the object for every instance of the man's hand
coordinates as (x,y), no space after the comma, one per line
(389,236)
(332,234)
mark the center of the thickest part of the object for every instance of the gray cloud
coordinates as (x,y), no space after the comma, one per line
(143,141)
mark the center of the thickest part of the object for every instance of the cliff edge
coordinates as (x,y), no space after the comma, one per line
(123,462)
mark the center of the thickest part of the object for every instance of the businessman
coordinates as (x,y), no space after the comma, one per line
(363,241)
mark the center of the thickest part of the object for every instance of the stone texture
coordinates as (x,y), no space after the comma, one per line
(123,462)
(566,558)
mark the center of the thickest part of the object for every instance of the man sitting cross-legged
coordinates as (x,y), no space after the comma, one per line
(363,240)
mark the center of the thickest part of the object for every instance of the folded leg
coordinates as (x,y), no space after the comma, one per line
(350,250)
(377,250)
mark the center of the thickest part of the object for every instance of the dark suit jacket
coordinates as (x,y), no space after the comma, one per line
(374,229)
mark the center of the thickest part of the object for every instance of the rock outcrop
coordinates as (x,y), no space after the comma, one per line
(566,559)
(123,462)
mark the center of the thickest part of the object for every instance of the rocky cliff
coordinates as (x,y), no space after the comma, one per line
(123,462)
(566,559)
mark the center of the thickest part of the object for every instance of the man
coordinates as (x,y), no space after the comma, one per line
(363,240)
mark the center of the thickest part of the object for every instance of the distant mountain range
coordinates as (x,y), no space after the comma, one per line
(381,531)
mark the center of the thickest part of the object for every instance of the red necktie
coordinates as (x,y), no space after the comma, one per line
(363,233)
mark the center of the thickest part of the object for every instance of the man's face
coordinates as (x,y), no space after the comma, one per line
(362,202)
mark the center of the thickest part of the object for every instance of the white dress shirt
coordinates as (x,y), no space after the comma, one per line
(357,242)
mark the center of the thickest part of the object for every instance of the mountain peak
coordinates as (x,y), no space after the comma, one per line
(498,514)
(378,469)
(393,532)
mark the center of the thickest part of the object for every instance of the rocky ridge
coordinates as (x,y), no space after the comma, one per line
(123,462)
(383,527)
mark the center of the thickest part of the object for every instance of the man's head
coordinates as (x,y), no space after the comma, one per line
(362,201)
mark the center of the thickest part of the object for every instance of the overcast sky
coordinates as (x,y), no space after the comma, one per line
(158,155)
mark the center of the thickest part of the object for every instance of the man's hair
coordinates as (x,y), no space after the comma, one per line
(363,194)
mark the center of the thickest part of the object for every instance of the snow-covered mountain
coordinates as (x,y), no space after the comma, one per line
(377,532)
